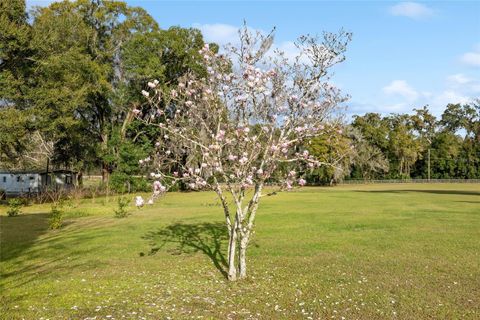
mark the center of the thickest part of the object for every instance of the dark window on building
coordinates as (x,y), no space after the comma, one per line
(18,178)
(4,179)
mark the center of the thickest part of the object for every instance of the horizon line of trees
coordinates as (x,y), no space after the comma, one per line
(407,146)
(71,76)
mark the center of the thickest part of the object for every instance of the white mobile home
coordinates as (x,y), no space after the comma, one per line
(33,182)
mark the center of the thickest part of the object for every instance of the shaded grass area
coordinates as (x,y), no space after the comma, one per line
(358,252)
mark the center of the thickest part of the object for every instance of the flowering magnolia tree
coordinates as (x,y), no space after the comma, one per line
(251,114)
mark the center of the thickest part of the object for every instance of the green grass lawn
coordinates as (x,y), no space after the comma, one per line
(350,252)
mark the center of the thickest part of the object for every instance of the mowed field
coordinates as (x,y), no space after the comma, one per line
(349,252)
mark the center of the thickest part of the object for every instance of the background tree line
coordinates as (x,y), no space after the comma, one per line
(71,76)
(399,146)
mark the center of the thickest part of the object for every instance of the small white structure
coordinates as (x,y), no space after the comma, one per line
(15,183)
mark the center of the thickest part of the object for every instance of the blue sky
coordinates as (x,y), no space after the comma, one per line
(403,54)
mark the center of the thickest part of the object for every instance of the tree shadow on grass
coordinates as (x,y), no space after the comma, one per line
(22,249)
(451,192)
(190,238)
(19,233)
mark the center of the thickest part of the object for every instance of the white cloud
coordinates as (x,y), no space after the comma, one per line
(401,88)
(450,96)
(458,79)
(412,10)
(219,33)
(467,85)
(289,49)
(471,58)
(400,97)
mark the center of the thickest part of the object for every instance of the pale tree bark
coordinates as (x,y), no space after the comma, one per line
(242,263)
(232,246)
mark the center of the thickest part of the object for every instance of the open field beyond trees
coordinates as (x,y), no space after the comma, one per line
(354,252)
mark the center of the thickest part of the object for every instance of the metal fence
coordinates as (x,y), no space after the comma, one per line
(362,181)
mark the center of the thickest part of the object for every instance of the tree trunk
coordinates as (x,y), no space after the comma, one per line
(242,263)
(232,245)
(105,173)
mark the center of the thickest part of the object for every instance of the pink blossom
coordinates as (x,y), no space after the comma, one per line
(139,202)
(302,182)
(220,135)
(157,185)
(145,93)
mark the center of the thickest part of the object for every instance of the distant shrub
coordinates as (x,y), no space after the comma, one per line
(14,206)
(122,204)
(56,216)
(121,182)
